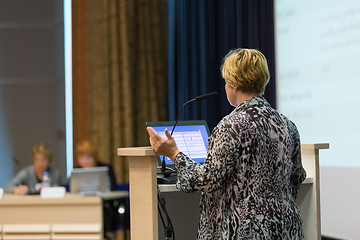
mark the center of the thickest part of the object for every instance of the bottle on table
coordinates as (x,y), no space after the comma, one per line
(46,181)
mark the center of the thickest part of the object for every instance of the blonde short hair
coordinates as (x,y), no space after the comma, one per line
(246,69)
(44,149)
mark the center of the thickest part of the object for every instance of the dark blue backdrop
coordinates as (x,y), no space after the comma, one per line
(201,32)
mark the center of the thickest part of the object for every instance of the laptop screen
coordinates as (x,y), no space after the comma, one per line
(191,138)
(89,180)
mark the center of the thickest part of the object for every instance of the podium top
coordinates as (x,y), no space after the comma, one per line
(148,152)
(136,151)
(314,146)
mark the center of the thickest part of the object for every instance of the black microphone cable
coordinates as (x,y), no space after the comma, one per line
(168,228)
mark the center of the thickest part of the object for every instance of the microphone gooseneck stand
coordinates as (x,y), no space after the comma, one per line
(197,99)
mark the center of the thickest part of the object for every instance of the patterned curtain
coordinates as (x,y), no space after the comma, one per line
(120,73)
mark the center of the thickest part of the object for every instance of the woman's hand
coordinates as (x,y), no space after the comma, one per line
(162,146)
(22,189)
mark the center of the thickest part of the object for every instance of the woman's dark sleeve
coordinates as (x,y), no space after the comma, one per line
(216,169)
(113,183)
(57,178)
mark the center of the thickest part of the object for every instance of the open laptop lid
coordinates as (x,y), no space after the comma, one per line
(89,180)
(191,137)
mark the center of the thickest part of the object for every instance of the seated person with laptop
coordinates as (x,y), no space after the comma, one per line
(87,159)
(40,174)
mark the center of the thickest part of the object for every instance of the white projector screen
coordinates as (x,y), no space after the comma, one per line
(318,80)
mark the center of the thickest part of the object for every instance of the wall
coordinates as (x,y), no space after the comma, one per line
(340,199)
(31,82)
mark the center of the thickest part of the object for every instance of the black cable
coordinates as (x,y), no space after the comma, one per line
(169,231)
(168,228)
(172,230)
(161,217)
(159,209)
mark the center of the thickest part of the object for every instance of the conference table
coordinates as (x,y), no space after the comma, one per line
(72,217)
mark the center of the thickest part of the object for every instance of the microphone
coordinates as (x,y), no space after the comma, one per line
(198,98)
(202,97)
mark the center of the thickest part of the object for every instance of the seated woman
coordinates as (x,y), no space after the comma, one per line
(87,158)
(29,180)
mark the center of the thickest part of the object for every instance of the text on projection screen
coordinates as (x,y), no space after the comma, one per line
(318,74)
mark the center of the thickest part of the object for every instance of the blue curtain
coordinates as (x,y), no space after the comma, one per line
(200,34)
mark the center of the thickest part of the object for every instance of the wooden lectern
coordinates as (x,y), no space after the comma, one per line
(143,193)
(308,198)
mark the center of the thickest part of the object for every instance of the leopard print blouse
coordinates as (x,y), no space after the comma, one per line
(251,176)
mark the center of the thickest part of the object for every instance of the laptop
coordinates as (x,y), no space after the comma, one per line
(89,181)
(191,138)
